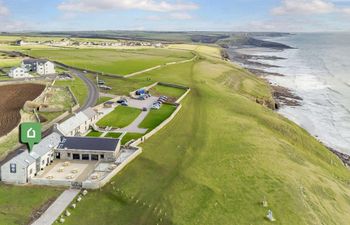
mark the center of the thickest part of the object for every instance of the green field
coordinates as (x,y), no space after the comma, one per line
(130,136)
(123,86)
(113,61)
(94,134)
(171,92)
(113,135)
(18,203)
(78,88)
(156,117)
(212,164)
(120,117)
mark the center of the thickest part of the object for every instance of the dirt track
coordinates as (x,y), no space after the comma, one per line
(12,99)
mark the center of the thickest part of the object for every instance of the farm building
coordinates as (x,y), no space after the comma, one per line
(88,148)
(18,72)
(78,124)
(25,165)
(41,67)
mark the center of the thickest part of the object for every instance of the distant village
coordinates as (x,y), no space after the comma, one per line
(68,42)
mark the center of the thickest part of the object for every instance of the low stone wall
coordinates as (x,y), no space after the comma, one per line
(47,182)
(183,96)
(173,85)
(155,130)
(101,183)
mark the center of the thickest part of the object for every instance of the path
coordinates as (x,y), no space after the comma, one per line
(134,126)
(160,66)
(57,208)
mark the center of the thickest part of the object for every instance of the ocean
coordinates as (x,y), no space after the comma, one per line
(318,71)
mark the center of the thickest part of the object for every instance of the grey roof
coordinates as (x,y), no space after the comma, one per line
(72,123)
(32,61)
(88,143)
(90,112)
(24,159)
(45,145)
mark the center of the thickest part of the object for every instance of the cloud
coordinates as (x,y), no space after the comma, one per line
(147,5)
(4,11)
(308,7)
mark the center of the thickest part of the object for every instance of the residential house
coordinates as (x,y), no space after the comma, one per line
(39,66)
(22,167)
(78,124)
(18,72)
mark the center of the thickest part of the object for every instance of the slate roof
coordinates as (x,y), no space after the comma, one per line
(45,145)
(88,143)
(75,121)
(32,61)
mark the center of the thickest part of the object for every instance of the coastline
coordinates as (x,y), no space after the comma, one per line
(283,96)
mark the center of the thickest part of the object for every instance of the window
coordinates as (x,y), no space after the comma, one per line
(76,156)
(94,157)
(68,154)
(12,167)
(102,156)
(85,157)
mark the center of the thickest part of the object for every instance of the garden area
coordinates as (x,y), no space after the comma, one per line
(120,117)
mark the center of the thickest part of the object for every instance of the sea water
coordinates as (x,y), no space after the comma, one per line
(318,71)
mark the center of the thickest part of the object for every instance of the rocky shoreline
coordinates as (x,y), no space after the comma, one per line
(282,95)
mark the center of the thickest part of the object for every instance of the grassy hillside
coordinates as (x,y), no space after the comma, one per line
(111,61)
(219,158)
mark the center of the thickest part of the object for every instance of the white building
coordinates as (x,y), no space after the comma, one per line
(25,165)
(78,124)
(18,72)
(41,67)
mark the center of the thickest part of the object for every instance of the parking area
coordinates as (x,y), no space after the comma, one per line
(68,170)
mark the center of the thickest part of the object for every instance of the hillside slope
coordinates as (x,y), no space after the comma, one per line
(219,158)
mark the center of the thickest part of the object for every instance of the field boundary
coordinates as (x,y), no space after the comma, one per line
(160,66)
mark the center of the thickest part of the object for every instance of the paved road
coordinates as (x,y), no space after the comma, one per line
(93,92)
(57,208)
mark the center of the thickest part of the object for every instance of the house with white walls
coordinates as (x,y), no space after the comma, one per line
(39,66)
(18,72)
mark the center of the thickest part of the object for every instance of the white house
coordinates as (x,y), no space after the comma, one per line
(18,72)
(79,123)
(41,67)
(25,165)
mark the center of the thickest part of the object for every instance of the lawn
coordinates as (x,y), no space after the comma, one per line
(120,117)
(113,135)
(130,136)
(18,203)
(78,88)
(120,62)
(94,134)
(219,158)
(102,100)
(171,92)
(156,117)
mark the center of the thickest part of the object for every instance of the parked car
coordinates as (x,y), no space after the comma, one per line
(144,109)
(122,100)
(124,104)
(155,106)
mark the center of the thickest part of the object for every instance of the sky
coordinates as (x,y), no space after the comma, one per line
(175,15)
